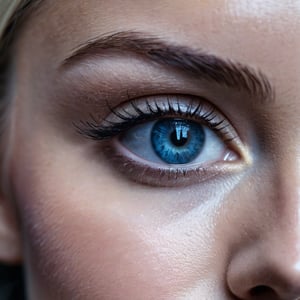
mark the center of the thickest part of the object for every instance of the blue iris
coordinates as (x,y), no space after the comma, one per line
(177,141)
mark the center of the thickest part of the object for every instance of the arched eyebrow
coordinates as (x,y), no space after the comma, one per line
(196,63)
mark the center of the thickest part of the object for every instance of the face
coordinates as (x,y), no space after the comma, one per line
(153,149)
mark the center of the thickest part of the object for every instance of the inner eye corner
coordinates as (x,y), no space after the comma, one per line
(241,150)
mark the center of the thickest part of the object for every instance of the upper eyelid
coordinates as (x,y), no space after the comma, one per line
(120,119)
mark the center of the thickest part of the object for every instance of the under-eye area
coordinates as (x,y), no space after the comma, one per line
(172,140)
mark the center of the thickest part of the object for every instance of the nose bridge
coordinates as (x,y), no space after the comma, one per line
(286,230)
(281,244)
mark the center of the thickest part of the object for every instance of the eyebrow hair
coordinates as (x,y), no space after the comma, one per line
(194,62)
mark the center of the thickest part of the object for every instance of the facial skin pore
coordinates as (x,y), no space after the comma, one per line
(90,231)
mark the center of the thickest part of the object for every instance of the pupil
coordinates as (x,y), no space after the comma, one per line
(178,138)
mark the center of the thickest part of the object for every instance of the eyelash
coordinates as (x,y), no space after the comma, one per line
(138,111)
(106,129)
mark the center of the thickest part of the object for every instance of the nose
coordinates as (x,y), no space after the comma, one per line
(262,271)
(268,267)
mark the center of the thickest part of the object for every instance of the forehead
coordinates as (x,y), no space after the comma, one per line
(260,33)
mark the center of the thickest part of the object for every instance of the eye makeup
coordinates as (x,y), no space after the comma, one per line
(224,154)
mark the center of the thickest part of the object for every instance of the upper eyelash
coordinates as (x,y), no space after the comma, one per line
(106,129)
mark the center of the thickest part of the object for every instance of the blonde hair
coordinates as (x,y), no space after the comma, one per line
(7,9)
(12,15)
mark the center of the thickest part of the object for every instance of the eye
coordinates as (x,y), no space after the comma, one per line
(175,141)
(167,140)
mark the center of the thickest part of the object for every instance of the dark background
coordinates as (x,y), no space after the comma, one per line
(11,283)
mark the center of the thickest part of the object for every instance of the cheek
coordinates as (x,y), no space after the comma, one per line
(90,233)
(86,246)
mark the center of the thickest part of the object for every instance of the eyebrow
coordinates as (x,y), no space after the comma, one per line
(194,62)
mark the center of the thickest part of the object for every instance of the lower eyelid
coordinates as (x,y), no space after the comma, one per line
(158,175)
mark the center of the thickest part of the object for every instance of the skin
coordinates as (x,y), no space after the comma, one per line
(88,231)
